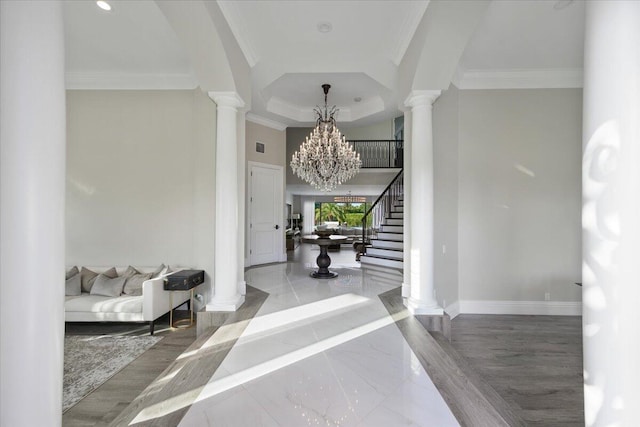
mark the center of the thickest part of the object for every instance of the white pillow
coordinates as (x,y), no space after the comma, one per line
(73,286)
(107,286)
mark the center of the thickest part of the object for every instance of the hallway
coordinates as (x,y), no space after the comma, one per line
(309,352)
(319,353)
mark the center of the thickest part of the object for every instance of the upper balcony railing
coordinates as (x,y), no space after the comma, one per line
(379,153)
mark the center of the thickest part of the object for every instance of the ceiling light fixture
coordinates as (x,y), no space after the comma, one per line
(562,4)
(325,27)
(350,199)
(104,5)
(325,160)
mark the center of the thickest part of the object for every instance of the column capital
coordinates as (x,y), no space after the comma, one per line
(422,97)
(226,99)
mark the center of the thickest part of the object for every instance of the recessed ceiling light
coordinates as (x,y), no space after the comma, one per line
(357,99)
(561,4)
(104,5)
(325,27)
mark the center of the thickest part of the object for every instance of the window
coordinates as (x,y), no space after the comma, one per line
(349,213)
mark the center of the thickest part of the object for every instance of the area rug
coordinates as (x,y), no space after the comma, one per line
(89,361)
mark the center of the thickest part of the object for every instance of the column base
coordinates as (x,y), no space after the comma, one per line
(406,290)
(421,308)
(242,287)
(226,305)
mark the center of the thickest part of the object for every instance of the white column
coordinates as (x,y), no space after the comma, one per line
(32,191)
(611,213)
(242,197)
(308,213)
(406,246)
(422,300)
(225,276)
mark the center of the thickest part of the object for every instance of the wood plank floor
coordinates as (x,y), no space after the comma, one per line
(104,404)
(533,362)
(165,401)
(473,402)
(497,370)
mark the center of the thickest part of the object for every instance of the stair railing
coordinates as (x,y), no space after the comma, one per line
(379,153)
(380,209)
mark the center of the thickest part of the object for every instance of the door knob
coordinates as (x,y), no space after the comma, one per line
(277,226)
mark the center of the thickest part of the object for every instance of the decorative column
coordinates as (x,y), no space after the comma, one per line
(422,300)
(406,235)
(32,207)
(611,213)
(225,283)
(308,214)
(242,197)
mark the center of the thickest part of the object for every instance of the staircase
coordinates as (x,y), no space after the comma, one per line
(385,248)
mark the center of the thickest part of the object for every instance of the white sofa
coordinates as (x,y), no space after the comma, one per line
(153,303)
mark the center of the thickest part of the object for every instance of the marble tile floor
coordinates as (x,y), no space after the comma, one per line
(317,353)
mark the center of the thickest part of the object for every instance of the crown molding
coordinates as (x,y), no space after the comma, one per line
(128,81)
(253,118)
(303,114)
(519,79)
(286,109)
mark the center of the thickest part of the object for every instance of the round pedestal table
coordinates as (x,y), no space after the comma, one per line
(323,259)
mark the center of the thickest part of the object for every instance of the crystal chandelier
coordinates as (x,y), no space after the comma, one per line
(325,160)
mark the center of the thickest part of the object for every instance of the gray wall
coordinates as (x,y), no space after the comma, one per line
(140,178)
(274,144)
(381,130)
(519,194)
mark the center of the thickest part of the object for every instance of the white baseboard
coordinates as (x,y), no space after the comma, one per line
(539,308)
(453,309)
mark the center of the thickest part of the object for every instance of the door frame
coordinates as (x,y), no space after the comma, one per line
(282,257)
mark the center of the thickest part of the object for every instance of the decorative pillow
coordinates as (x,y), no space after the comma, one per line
(72,285)
(129,272)
(133,284)
(158,271)
(72,272)
(88,277)
(166,270)
(109,287)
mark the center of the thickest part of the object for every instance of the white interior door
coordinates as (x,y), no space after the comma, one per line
(266,214)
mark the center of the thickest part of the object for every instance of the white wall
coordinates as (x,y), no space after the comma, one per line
(140,178)
(445,137)
(519,194)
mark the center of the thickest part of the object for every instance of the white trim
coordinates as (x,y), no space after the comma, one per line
(281,249)
(254,118)
(225,305)
(453,310)
(128,81)
(519,79)
(226,99)
(538,308)
(421,97)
